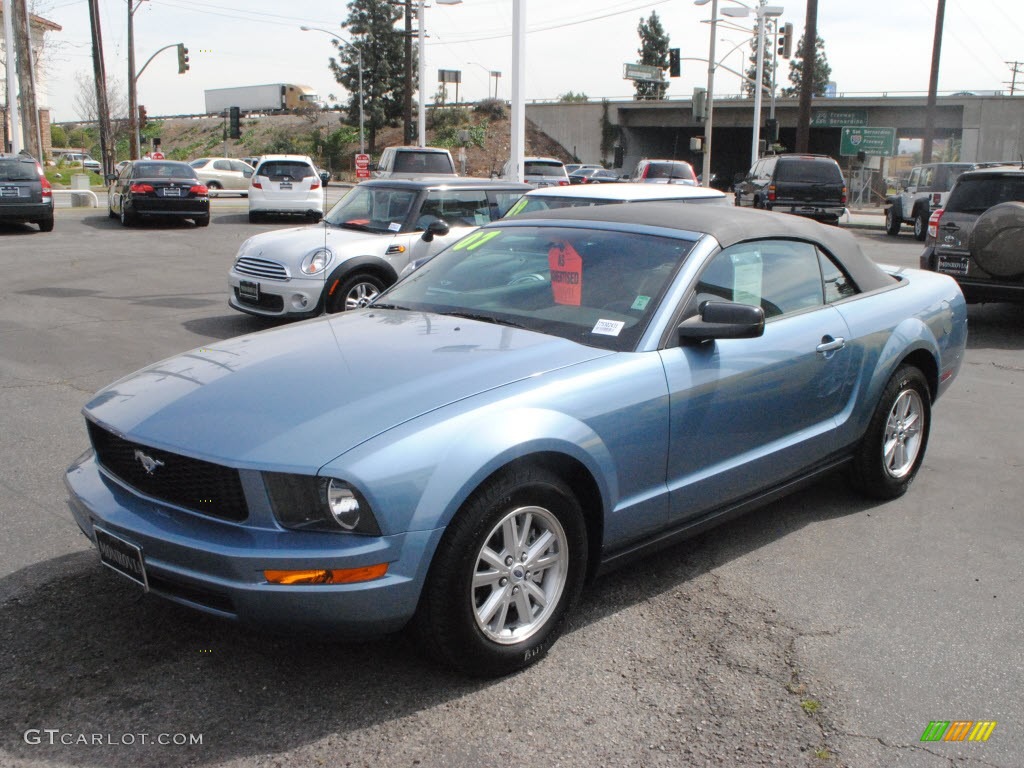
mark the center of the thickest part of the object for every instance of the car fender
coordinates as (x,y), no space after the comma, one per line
(362,263)
(894,202)
(437,484)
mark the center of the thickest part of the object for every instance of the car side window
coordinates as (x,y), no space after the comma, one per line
(838,284)
(915,176)
(222,165)
(927,175)
(780,276)
(239,166)
(460,208)
(505,200)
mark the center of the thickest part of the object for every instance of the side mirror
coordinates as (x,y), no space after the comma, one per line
(110,178)
(723,320)
(437,227)
(739,177)
(247,174)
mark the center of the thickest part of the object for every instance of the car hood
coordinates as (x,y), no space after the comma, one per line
(292,399)
(292,244)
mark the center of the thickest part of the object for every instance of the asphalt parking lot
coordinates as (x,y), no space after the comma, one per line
(823,630)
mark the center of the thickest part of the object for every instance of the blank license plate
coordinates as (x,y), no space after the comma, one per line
(249,290)
(953,265)
(121,556)
(10,191)
(285,185)
(172,192)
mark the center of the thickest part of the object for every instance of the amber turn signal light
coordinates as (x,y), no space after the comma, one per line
(321,576)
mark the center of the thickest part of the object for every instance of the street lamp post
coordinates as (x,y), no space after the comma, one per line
(710,98)
(359,54)
(133,100)
(421,112)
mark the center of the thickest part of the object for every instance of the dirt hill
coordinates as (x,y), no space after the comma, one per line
(188,138)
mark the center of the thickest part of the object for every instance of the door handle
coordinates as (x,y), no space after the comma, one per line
(829,344)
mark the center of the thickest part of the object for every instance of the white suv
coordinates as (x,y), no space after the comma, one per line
(286,184)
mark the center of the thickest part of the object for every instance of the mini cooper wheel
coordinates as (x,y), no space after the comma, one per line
(893,446)
(354,292)
(505,574)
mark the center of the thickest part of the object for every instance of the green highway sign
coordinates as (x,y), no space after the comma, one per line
(869,140)
(642,72)
(837,118)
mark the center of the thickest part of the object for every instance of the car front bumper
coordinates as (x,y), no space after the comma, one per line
(218,567)
(297,297)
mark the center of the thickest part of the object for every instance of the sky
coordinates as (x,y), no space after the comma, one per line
(873,46)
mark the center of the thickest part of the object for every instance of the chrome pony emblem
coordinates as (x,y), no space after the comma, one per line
(148,462)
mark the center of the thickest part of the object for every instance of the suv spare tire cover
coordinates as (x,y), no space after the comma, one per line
(997,240)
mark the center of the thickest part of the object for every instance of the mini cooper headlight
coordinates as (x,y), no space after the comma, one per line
(317,261)
(312,503)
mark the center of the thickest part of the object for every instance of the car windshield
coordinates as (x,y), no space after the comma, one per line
(372,209)
(422,162)
(164,170)
(809,171)
(595,287)
(534,203)
(18,170)
(980,194)
(670,171)
(539,168)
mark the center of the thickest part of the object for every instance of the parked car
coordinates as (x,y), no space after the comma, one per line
(286,185)
(978,238)
(83,159)
(924,191)
(571,168)
(160,189)
(548,398)
(540,172)
(553,198)
(413,163)
(25,193)
(594,176)
(223,173)
(804,185)
(663,172)
(367,238)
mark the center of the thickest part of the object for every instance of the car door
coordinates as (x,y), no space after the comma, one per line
(117,187)
(743,410)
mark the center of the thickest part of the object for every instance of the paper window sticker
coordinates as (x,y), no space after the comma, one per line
(394,226)
(608,327)
(747,278)
(640,303)
(566,267)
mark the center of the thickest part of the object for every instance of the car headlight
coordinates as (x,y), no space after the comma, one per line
(317,261)
(312,503)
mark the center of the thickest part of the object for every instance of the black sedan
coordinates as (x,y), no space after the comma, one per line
(159,188)
(594,176)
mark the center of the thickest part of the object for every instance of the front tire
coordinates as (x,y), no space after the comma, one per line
(354,292)
(893,447)
(505,574)
(892,221)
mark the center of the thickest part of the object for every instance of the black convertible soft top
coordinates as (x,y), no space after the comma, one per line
(727,225)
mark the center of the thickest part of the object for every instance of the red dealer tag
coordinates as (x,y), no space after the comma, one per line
(566,274)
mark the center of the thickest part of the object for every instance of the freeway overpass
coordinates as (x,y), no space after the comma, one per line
(986,127)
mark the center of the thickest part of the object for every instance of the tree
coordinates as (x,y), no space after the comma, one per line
(822,71)
(573,98)
(653,52)
(371,27)
(85,98)
(767,66)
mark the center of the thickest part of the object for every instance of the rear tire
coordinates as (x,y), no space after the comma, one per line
(202,221)
(893,446)
(127,219)
(921,225)
(254,217)
(892,221)
(505,574)
(45,225)
(214,187)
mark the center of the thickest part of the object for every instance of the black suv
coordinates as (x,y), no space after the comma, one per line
(25,193)
(978,238)
(805,185)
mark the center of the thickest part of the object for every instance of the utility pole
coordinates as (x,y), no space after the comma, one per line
(1015,69)
(809,53)
(12,85)
(933,85)
(100,75)
(407,95)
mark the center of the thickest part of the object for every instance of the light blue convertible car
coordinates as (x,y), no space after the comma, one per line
(549,397)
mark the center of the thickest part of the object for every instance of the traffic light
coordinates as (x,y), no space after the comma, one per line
(673,62)
(786,41)
(234,123)
(142,116)
(182,59)
(700,103)
(771,130)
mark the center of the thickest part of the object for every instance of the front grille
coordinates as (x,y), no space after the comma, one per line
(271,270)
(268,301)
(201,486)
